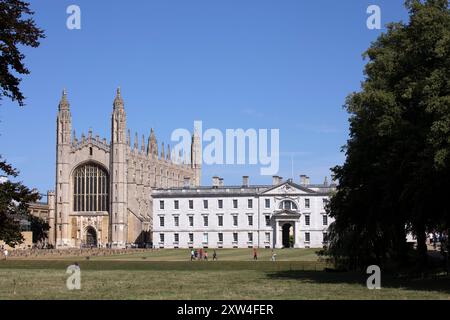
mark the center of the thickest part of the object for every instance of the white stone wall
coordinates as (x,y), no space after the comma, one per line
(258,229)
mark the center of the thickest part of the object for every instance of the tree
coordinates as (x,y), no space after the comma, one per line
(16,28)
(395,176)
(39,227)
(14,200)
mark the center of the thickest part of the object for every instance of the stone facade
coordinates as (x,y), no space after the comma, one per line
(103,191)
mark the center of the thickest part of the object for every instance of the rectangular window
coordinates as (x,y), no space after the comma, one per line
(267,221)
(161,237)
(325,237)
(235,204)
(307,237)
(220,237)
(176,221)
(250,203)
(205,237)
(250,220)
(205,221)
(235,237)
(267,203)
(250,237)
(267,236)
(307,203)
(161,205)
(191,237)
(176,204)
(220,204)
(191,221)
(176,237)
(220,221)
(235,221)
(307,220)
(325,220)
(161,221)
(191,204)
(205,204)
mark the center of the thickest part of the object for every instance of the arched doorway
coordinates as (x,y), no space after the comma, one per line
(288,235)
(91,237)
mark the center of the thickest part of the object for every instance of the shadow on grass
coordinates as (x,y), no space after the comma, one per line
(441,284)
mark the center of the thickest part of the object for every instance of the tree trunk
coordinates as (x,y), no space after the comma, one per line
(422,247)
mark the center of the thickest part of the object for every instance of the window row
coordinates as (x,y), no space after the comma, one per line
(286,204)
(324,237)
(206,204)
(205,237)
(308,220)
(235,221)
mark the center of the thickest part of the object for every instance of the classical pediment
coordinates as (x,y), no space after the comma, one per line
(288,188)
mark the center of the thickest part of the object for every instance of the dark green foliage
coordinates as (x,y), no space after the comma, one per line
(14,199)
(396,175)
(16,29)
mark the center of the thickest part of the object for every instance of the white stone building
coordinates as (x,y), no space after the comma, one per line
(284,214)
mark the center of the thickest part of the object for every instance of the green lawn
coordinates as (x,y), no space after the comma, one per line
(163,274)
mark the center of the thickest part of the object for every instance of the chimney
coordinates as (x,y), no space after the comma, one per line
(307,182)
(187,182)
(215,181)
(245,181)
(302,180)
(274,180)
(220,182)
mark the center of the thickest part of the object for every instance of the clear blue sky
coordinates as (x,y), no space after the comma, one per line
(285,64)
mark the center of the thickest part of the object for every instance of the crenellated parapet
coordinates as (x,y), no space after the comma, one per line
(100,143)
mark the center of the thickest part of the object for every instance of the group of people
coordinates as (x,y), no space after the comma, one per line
(202,255)
(436,238)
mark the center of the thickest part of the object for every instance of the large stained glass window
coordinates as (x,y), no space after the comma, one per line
(90,188)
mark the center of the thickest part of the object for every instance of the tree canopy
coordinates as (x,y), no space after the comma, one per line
(17,28)
(14,200)
(395,178)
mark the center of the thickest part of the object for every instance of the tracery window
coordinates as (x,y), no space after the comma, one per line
(90,188)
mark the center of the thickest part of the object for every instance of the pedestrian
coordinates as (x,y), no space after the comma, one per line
(206,255)
(214,255)
(200,254)
(255,254)
(6,253)
(274,256)
(192,254)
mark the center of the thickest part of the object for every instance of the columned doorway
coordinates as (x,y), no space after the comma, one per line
(288,238)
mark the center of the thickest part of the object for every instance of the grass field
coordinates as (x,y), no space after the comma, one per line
(168,274)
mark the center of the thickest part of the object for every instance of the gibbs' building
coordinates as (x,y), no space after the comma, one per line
(103,192)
